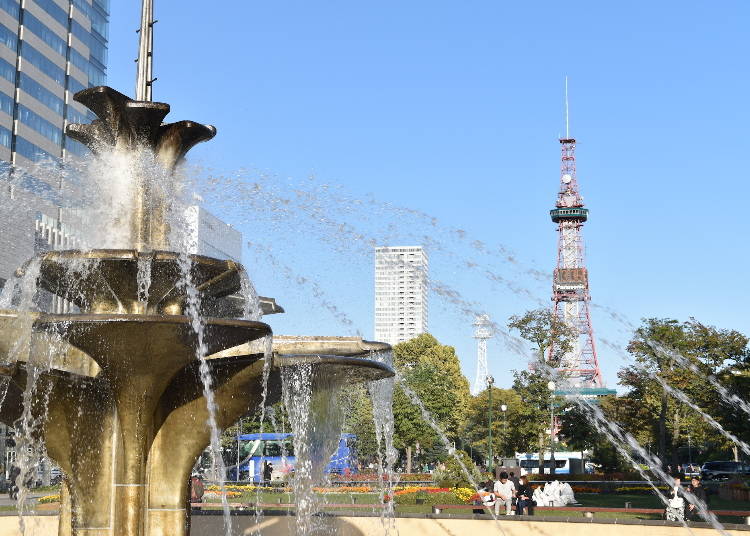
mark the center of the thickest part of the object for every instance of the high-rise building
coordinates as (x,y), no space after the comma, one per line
(401,275)
(49,50)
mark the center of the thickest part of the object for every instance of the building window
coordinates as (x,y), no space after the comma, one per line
(36,26)
(8,38)
(11,7)
(5,136)
(42,94)
(7,71)
(6,104)
(55,11)
(38,60)
(41,125)
(27,149)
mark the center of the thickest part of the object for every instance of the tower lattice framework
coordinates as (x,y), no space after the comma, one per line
(482,332)
(570,286)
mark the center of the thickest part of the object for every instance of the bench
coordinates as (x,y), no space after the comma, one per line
(589,511)
(245,506)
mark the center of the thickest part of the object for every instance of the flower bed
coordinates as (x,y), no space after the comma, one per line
(345,489)
(411,495)
(585,489)
(227,493)
(372,477)
(48,499)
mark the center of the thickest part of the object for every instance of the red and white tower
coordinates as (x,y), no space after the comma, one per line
(570,285)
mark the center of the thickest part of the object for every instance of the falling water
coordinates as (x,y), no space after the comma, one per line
(29,447)
(312,404)
(429,419)
(193,305)
(381,394)
(143,278)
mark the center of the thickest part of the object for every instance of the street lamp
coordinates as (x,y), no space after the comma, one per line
(551,387)
(504,408)
(490,381)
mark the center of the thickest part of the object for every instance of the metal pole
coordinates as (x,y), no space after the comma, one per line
(237,477)
(490,381)
(145,52)
(551,386)
(552,434)
(504,409)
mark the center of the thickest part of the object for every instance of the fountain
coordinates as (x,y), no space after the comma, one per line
(121,391)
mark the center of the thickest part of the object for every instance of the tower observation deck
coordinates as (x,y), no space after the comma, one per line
(570,285)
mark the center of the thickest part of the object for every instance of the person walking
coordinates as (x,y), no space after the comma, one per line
(13,485)
(267,472)
(523,497)
(504,493)
(699,498)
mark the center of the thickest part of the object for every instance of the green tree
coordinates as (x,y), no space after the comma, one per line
(433,372)
(359,420)
(681,355)
(552,338)
(545,331)
(508,433)
(578,433)
(534,418)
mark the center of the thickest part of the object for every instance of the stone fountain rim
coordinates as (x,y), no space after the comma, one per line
(126,255)
(365,345)
(327,359)
(46,319)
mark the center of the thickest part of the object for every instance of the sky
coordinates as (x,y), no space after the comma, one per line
(341,124)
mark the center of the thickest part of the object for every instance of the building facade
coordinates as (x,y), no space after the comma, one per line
(49,50)
(401,278)
(208,235)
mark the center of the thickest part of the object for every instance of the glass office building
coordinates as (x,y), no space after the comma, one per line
(49,50)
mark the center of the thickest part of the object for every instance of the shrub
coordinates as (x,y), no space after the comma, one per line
(585,489)
(453,475)
(440,497)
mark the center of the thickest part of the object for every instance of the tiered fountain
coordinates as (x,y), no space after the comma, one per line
(116,388)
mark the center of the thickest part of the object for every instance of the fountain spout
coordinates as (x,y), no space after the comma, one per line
(131,128)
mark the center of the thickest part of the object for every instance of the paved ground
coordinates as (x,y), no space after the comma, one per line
(6,501)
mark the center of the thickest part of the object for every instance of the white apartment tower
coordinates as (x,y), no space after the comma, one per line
(400,293)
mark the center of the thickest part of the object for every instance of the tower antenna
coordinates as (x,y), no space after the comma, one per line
(567,126)
(144,81)
(482,332)
(570,285)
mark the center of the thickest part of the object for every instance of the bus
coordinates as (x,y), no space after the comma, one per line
(278,450)
(566,463)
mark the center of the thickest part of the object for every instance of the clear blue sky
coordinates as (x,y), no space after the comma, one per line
(454,109)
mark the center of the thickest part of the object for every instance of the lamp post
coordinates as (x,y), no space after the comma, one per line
(504,408)
(490,381)
(551,387)
(237,469)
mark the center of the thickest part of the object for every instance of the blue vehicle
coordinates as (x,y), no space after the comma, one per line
(278,450)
